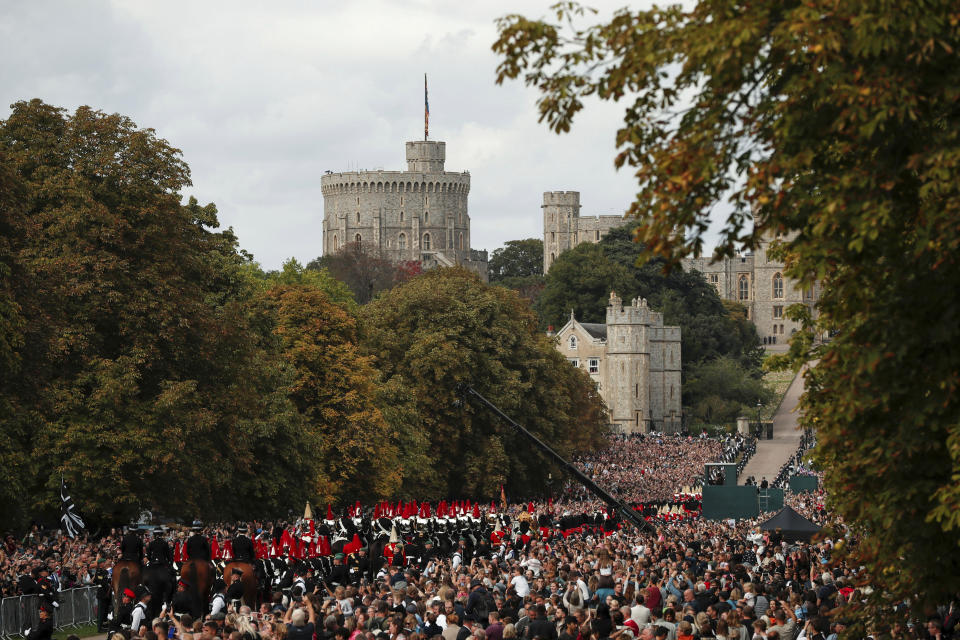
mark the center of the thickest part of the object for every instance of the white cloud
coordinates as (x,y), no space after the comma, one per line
(263,97)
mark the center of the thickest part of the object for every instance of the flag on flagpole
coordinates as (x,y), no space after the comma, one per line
(426,110)
(70,518)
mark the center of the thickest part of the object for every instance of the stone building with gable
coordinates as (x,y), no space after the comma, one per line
(415,215)
(758,283)
(635,362)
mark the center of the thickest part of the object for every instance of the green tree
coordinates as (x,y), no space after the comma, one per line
(365,270)
(835,126)
(316,277)
(444,329)
(579,282)
(517,259)
(139,371)
(14,442)
(721,389)
(345,449)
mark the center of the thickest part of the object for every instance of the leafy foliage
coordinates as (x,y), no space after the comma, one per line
(143,356)
(365,270)
(836,125)
(517,259)
(446,328)
(331,388)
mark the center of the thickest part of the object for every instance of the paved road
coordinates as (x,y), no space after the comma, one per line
(772,454)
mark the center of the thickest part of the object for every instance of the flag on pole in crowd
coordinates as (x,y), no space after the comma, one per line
(426,110)
(70,517)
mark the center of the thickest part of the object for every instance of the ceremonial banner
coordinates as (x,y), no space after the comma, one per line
(70,518)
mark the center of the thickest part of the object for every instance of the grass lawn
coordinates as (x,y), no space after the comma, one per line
(778,382)
(83,631)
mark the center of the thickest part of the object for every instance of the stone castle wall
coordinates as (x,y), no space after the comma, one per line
(564,227)
(420,214)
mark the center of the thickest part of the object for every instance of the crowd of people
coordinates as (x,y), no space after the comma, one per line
(689,579)
(644,468)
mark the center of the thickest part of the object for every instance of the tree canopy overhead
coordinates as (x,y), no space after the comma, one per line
(836,125)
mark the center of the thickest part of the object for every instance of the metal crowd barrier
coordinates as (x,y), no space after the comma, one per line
(76,607)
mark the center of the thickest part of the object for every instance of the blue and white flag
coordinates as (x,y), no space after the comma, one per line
(70,518)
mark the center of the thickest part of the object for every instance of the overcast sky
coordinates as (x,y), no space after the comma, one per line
(262,97)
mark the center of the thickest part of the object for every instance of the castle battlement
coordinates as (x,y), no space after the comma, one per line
(569,198)
(357,182)
(637,312)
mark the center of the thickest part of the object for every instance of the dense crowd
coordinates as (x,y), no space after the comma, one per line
(691,579)
(655,467)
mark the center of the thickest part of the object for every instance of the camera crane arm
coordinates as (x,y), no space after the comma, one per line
(613,503)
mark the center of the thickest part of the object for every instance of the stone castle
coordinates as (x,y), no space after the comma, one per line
(564,228)
(415,215)
(635,362)
(751,279)
(758,283)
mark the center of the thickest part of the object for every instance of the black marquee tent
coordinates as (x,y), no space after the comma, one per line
(792,525)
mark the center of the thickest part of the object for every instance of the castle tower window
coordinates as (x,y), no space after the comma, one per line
(777,311)
(777,286)
(336,244)
(358,217)
(401,216)
(426,217)
(357,239)
(553,236)
(402,241)
(426,242)
(460,241)
(743,288)
(593,365)
(573,342)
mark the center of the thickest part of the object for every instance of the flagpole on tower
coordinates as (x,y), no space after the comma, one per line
(426,110)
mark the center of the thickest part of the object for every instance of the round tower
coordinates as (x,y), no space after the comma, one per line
(419,214)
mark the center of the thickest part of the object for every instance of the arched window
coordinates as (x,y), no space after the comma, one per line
(358,217)
(426,242)
(426,217)
(401,216)
(460,241)
(336,244)
(573,342)
(357,239)
(743,288)
(402,241)
(777,286)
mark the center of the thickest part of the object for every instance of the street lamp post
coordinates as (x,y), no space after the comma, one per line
(759,426)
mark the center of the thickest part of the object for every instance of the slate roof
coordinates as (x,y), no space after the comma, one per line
(595,330)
